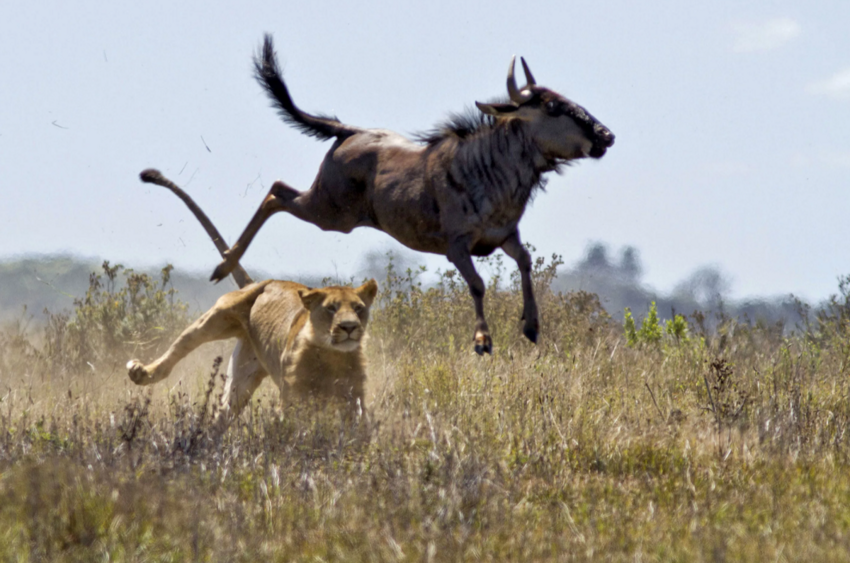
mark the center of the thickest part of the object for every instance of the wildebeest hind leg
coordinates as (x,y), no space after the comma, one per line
(279,198)
(514,248)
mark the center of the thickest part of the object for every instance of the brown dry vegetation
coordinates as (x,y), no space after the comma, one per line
(729,446)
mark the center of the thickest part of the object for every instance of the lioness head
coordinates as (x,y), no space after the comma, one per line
(339,315)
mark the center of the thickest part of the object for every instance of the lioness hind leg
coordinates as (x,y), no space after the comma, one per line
(244,375)
(215,324)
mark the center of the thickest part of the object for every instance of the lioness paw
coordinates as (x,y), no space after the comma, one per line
(137,372)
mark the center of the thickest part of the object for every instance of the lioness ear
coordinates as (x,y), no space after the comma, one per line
(311,297)
(367,292)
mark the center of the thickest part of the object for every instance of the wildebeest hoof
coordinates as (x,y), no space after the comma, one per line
(221,271)
(481,348)
(483,343)
(530,333)
(137,372)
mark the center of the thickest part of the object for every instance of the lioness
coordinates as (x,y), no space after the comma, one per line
(308,340)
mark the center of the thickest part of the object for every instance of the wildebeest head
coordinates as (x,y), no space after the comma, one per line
(561,128)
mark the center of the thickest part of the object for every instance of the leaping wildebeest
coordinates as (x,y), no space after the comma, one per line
(460,191)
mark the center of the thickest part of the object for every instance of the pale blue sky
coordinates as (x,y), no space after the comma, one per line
(732,122)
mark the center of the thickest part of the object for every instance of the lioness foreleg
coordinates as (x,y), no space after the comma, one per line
(215,324)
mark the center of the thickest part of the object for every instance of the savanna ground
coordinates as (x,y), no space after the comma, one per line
(657,441)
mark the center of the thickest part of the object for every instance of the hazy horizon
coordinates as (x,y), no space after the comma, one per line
(404,258)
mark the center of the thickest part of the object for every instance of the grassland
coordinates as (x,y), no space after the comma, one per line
(682,445)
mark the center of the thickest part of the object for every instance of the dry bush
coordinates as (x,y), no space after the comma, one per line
(115,320)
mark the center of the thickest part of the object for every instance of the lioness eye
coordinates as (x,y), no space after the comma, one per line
(332,307)
(358,308)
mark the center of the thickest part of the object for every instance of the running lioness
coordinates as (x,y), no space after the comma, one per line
(309,340)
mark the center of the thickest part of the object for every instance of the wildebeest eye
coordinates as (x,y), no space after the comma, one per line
(553,108)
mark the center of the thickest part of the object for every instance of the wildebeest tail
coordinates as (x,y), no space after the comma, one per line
(269,76)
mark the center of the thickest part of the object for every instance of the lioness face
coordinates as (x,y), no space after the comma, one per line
(339,314)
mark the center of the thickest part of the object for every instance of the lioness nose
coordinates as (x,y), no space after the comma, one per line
(348,326)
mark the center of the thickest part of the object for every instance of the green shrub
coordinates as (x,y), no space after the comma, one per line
(677,327)
(629,328)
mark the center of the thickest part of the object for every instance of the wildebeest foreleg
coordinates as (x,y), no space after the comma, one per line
(458,255)
(514,248)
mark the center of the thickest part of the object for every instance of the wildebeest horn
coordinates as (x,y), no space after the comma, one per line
(528,76)
(516,96)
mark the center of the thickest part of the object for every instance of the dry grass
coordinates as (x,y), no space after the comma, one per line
(730,447)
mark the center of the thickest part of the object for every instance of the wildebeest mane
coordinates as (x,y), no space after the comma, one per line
(471,124)
(461,125)
(467,124)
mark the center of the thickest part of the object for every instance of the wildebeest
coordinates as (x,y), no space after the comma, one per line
(459,192)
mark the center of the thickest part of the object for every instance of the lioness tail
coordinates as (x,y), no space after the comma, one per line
(153,176)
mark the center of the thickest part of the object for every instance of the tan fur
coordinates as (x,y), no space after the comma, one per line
(309,340)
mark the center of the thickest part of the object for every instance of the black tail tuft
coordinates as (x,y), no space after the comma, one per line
(268,75)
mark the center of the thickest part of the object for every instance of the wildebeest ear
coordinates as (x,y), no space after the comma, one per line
(496,109)
(367,291)
(311,297)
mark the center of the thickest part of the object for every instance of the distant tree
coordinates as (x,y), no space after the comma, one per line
(374,262)
(595,260)
(707,286)
(630,267)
